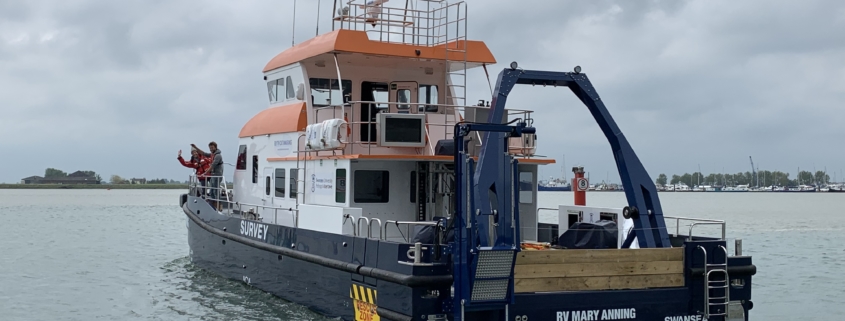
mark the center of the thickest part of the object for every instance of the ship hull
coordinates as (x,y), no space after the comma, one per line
(330,291)
(321,289)
(541,188)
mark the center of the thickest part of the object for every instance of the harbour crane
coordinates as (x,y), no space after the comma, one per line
(753,172)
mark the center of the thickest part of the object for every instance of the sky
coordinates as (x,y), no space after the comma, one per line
(118,87)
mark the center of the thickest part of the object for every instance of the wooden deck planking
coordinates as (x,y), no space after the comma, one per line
(599,283)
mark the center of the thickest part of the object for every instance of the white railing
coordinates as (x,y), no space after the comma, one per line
(434,23)
(224,202)
(407,224)
(695,222)
(440,120)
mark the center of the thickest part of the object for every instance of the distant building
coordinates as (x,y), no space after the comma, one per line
(138,181)
(31,180)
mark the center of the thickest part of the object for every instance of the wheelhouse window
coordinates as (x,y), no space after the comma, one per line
(340,185)
(377,93)
(271,90)
(255,169)
(403,98)
(241,164)
(526,187)
(280,182)
(428,95)
(326,92)
(276,89)
(371,186)
(294,175)
(291,92)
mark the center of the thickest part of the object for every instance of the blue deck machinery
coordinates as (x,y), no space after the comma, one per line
(486,218)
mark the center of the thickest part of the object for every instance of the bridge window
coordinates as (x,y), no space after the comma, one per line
(280,182)
(377,93)
(526,187)
(428,95)
(291,92)
(326,92)
(294,175)
(340,185)
(371,186)
(271,90)
(403,97)
(276,89)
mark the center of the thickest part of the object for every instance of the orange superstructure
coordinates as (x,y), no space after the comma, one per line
(355,41)
(275,120)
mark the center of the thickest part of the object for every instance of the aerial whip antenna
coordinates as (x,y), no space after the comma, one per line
(293,30)
(318,18)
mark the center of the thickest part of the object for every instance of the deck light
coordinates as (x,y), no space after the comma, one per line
(514,65)
(577,69)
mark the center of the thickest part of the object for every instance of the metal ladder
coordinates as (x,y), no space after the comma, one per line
(720,287)
(454,39)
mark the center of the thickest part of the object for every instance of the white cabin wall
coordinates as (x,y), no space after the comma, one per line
(321,182)
(399,206)
(253,193)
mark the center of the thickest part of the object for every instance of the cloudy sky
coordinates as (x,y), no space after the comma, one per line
(119,86)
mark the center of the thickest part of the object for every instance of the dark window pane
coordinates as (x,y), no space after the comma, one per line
(241,158)
(280,182)
(255,169)
(340,185)
(267,186)
(294,175)
(413,186)
(371,186)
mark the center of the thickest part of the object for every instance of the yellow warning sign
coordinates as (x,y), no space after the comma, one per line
(364,301)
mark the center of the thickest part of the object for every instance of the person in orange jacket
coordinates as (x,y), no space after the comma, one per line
(199,163)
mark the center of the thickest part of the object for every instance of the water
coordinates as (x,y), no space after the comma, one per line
(122,255)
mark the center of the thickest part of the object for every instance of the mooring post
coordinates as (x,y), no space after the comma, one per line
(579,186)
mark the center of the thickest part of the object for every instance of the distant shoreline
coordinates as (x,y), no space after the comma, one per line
(93,186)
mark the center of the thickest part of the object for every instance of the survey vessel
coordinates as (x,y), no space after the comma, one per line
(370,189)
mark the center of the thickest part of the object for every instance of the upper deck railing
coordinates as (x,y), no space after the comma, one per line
(440,122)
(432,23)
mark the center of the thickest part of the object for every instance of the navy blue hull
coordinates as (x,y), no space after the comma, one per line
(329,291)
(323,290)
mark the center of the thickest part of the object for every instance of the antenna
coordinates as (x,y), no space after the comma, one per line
(293,30)
(318,19)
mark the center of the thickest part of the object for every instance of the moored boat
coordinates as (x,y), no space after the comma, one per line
(369,190)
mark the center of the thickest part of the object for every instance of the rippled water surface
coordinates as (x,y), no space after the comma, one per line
(122,255)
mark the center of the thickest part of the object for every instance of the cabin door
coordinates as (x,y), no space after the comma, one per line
(267,186)
(403,97)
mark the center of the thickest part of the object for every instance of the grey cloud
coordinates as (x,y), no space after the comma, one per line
(118,87)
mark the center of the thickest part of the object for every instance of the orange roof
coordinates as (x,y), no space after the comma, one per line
(282,119)
(539,161)
(356,41)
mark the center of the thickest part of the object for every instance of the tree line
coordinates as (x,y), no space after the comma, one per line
(114,179)
(761,178)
